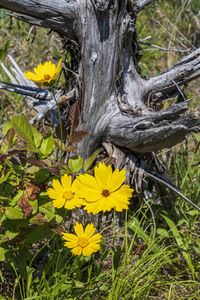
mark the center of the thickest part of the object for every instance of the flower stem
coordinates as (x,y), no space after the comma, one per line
(113,252)
(60,122)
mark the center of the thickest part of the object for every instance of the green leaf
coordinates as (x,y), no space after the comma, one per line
(197,136)
(8,236)
(1,53)
(75,164)
(23,129)
(16,198)
(117,257)
(4,199)
(8,140)
(47,145)
(134,226)
(29,275)
(4,49)
(193,212)
(36,235)
(48,210)
(163,232)
(37,137)
(2,253)
(182,245)
(14,213)
(7,45)
(3,178)
(6,126)
(89,161)
(34,204)
(32,170)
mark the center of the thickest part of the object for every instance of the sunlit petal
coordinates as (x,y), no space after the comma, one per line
(66,181)
(89,230)
(88,181)
(78,229)
(95,238)
(57,186)
(44,72)
(116,180)
(53,194)
(102,175)
(70,237)
(71,244)
(58,202)
(77,250)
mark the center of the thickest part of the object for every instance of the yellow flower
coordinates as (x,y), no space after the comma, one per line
(84,242)
(65,193)
(105,190)
(44,73)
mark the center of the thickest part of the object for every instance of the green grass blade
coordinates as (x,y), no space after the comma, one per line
(179,240)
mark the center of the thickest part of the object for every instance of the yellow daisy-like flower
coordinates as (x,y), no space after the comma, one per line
(104,190)
(65,193)
(44,73)
(84,242)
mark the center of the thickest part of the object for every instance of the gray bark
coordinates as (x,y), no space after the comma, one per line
(114,97)
(56,15)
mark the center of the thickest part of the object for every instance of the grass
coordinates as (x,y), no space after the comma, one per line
(140,266)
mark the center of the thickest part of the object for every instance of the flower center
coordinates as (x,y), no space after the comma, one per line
(105,193)
(68,195)
(83,242)
(47,76)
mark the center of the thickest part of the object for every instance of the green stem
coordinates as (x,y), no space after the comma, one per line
(60,121)
(113,252)
(126,237)
(30,265)
(17,282)
(100,219)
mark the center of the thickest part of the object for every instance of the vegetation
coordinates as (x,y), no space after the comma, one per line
(142,255)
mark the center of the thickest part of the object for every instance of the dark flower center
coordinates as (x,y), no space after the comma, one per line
(105,193)
(47,76)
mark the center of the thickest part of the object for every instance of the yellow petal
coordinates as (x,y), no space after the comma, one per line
(70,237)
(69,205)
(57,186)
(78,202)
(52,193)
(87,251)
(66,181)
(94,247)
(120,199)
(32,76)
(78,229)
(89,195)
(88,181)
(77,250)
(95,238)
(116,180)
(102,175)
(71,244)
(91,248)
(58,68)
(124,192)
(75,186)
(58,202)
(89,230)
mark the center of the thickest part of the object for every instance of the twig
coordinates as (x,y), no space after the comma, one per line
(153,218)
(140,5)
(161,48)
(171,187)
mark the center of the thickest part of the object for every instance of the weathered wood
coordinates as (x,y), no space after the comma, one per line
(56,15)
(112,93)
